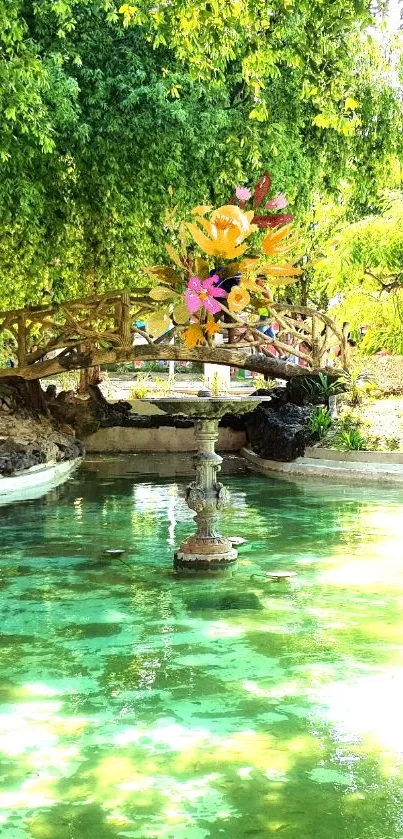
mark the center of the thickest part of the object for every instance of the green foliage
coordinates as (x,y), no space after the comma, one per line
(365,261)
(392,444)
(368,252)
(357,383)
(320,422)
(141,388)
(163,387)
(67,381)
(260,383)
(100,120)
(322,387)
(353,440)
(348,435)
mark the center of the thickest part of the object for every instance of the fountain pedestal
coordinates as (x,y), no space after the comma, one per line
(206,550)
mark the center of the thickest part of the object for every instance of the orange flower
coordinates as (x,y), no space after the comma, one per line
(193,336)
(238,298)
(225,233)
(211,327)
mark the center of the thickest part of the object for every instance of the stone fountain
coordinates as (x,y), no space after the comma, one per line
(206,550)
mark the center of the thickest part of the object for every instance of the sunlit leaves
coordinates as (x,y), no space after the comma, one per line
(159,293)
(180,313)
(158,323)
(97,151)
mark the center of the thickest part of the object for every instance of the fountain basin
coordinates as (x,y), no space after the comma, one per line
(207,407)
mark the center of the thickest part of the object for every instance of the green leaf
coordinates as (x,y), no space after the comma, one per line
(159,293)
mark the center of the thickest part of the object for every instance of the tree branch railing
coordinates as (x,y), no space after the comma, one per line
(101,329)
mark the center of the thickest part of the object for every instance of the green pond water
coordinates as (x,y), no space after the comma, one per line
(135,704)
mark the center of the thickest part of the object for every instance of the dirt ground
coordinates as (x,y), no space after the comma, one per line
(382,418)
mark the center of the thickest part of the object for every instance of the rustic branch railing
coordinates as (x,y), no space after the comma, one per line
(82,333)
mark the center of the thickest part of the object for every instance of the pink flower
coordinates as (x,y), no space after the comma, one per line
(277,203)
(243,193)
(204,293)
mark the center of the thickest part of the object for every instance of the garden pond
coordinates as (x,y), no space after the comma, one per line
(137,704)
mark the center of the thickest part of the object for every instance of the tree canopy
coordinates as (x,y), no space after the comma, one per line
(364,264)
(112,114)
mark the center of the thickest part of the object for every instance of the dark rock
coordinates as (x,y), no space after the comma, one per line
(71,449)
(280,434)
(299,391)
(15,456)
(51,392)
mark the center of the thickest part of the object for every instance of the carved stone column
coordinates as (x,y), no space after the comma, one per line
(206,550)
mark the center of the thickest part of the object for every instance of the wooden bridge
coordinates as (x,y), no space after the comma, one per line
(98,330)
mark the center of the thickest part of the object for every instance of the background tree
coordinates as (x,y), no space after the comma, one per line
(106,126)
(364,262)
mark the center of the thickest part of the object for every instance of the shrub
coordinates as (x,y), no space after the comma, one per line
(141,388)
(357,383)
(320,422)
(322,387)
(353,440)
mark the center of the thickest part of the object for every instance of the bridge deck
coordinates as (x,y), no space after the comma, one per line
(82,333)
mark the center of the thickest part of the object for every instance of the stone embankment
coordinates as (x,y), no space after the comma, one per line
(29,435)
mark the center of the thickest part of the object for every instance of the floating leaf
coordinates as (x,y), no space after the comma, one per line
(280,270)
(280,281)
(160,293)
(180,313)
(201,210)
(261,189)
(247,265)
(158,323)
(169,219)
(183,237)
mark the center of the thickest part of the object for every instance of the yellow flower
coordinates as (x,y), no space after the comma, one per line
(227,230)
(193,336)
(274,242)
(201,210)
(238,298)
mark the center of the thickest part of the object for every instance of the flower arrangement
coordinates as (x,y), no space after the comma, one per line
(222,276)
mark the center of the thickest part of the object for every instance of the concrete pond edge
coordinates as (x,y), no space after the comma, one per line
(31,483)
(345,469)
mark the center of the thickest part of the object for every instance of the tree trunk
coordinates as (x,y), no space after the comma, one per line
(89,376)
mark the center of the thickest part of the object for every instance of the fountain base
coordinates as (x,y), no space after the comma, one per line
(209,554)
